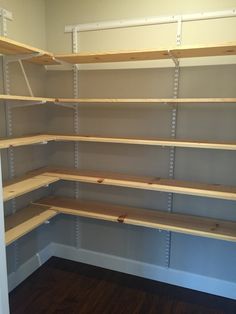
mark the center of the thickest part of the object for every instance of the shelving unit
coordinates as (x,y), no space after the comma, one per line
(29,183)
(44,177)
(198,226)
(27,219)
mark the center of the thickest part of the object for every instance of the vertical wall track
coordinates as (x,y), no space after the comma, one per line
(76,129)
(173,131)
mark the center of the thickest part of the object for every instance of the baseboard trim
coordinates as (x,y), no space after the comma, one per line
(168,275)
(26,269)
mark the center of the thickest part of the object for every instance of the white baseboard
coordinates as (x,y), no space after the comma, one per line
(26,269)
(168,275)
(172,276)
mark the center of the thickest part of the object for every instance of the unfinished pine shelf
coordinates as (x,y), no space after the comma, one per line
(26,184)
(225,49)
(26,98)
(24,140)
(141,182)
(42,177)
(44,138)
(26,220)
(150,142)
(198,226)
(17,98)
(144,100)
(12,47)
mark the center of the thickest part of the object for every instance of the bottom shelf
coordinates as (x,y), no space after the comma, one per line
(25,220)
(198,226)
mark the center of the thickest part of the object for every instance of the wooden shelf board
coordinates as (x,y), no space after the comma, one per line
(41,138)
(44,176)
(26,98)
(12,47)
(24,140)
(146,183)
(145,100)
(225,49)
(150,141)
(26,184)
(26,220)
(198,226)
(118,100)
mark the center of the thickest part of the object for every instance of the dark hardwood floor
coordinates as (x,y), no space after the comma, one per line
(62,286)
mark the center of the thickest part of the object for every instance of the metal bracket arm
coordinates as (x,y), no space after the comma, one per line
(65,105)
(22,105)
(17,57)
(173,58)
(6,14)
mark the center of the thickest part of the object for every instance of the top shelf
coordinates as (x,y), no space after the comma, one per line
(12,47)
(226,49)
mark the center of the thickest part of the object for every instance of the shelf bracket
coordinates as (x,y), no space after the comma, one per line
(173,58)
(26,78)
(6,14)
(65,105)
(17,57)
(20,58)
(23,105)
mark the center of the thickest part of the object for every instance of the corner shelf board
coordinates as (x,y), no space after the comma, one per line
(26,220)
(225,49)
(12,47)
(25,184)
(44,176)
(141,182)
(181,223)
(24,140)
(118,100)
(44,138)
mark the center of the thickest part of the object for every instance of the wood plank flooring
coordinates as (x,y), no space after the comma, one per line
(66,287)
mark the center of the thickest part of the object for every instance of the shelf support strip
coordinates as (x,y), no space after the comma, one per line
(174,113)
